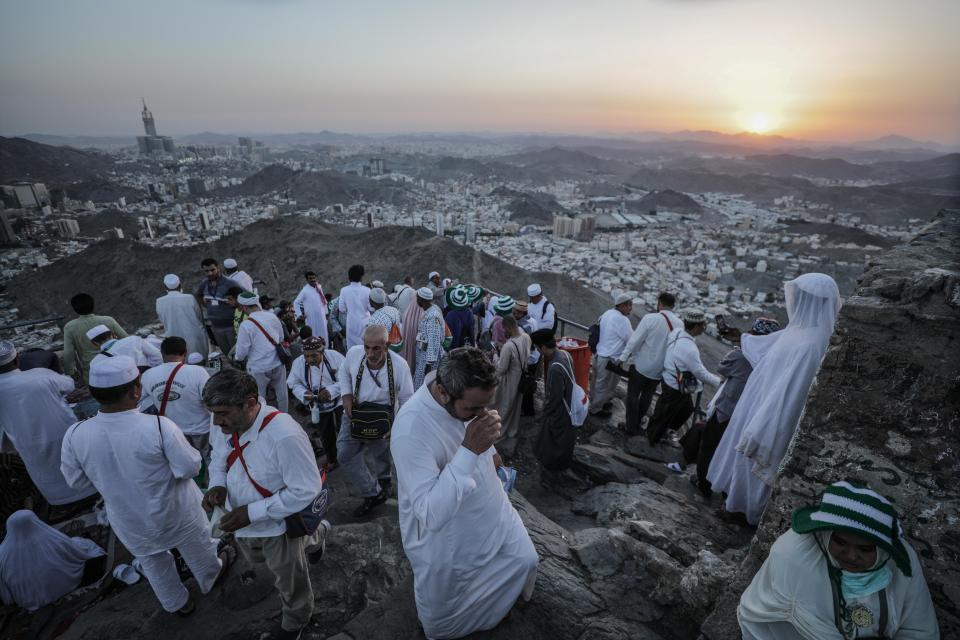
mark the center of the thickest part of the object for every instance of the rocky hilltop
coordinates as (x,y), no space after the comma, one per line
(885,409)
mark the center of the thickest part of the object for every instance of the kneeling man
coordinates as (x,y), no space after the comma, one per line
(471,555)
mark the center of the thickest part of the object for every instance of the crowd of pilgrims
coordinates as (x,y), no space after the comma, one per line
(194,447)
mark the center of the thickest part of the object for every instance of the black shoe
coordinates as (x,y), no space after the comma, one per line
(369,503)
(607,406)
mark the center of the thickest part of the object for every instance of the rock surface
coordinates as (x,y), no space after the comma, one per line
(885,409)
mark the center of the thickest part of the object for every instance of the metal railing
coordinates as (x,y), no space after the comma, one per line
(562,323)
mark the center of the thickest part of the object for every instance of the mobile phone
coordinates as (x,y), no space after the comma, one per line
(721,323)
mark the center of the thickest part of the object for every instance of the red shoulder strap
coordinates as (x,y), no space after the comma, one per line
(166,389)
(237,454)
(262,330)
(669,324)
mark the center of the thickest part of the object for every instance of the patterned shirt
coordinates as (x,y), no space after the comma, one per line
(430,335)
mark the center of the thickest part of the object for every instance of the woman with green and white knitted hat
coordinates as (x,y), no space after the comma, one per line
(842,571)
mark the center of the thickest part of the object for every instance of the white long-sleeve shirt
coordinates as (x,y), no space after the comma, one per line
(280,459)
(181,316)
(404,297)
(143,467)
(34,415)
(370,391)
(322,377)
(243,279)
(465,541)
(615,330)
(312,307)
(355,302)
(185,402)
(253,346)
(134,347)
(647,346)
(683,355)
(542,314)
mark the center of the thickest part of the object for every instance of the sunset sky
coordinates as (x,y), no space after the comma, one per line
(837,69)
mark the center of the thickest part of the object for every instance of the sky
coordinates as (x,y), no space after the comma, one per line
(838,70)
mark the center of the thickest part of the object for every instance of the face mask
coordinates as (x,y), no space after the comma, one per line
(861,585)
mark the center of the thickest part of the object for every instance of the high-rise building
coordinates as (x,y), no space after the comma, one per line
(148,125)
(439,221)
(7,234)
(470,230)
(68,227)
(151,143)
(205,220)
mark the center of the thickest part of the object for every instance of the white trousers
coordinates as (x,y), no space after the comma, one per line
(161,571)
(276,378)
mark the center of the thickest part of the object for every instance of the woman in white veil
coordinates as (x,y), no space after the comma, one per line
(784,366)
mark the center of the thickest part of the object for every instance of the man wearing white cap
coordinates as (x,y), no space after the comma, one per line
(134,347)
(144,467)
(175,389)
(34,416)
(405,294)
(311,305)
(542,313)
(256,343)
(430,334)
(383,314)
(181,316)
(355,305)
(435,284)
(615,330)
(683,375)
(242,278)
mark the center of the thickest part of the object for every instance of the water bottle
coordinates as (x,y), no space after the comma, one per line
(314,413)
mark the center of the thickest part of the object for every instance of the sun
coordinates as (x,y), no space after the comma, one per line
(759,122)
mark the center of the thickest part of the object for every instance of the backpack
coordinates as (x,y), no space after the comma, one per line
(593,338)
(579,402)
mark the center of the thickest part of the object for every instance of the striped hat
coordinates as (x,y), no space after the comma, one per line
(474,293)
(504,305)
(860,511)
(457,297)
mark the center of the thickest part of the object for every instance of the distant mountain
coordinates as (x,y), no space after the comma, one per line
(562,163)
(22,159)
(318,189)
(533,208)
(82,142)
(900,142)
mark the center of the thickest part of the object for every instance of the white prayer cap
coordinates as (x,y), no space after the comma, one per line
(194,358)
(376,284)
(230,263)
(171,281)
(433,274)
(248,299)
(98,330)
(7,352)
(378,295)
(534,290)
(693,316)
(112,372)
(623,298)
(424,293)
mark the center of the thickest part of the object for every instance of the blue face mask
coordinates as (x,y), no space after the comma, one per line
(860,585)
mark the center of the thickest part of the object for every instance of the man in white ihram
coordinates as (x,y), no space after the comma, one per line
(311,305)
(181,316)
(471,555)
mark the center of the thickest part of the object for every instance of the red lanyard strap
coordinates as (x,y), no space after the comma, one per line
(237,454)
(166,389)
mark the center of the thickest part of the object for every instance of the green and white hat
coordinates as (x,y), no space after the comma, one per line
(504,305)
(457,297)
(474,293)
(860,511)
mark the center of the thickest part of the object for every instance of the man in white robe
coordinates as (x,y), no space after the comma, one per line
(34,416)
(355,303)
(134,347)
(311,305)
(405,293)
(181,316)
(471,555)
(242,278)
(143,467)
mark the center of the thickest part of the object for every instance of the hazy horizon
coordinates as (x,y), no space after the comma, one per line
(843,72)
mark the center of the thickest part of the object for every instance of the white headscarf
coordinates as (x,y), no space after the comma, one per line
(39,564)
(784,366)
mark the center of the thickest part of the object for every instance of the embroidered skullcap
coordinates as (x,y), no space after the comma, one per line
(97,331)
(764,326)
(7,352)
(693,316)
(313,343)
(378,295)
(112,372)
(424,293)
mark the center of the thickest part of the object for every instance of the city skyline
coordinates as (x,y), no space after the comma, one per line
(839,72)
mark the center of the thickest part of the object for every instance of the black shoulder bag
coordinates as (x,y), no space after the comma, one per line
(372,420)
